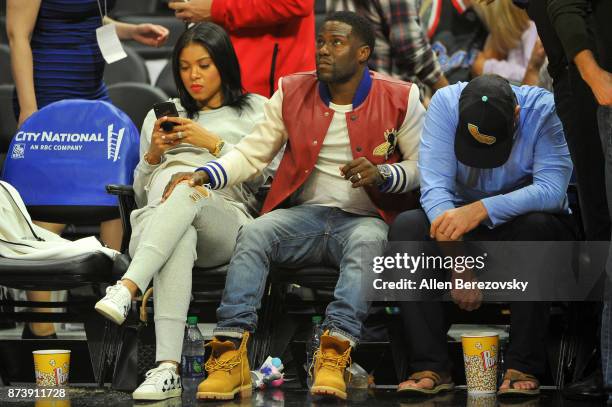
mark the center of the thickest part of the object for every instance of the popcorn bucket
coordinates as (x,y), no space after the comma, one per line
(51,367)
(52,402)
(480,359)
(481,400)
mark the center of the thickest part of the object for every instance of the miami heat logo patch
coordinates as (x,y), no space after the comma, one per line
(481,138)
(388,147)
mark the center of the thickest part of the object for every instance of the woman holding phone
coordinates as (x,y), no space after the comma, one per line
(195,225)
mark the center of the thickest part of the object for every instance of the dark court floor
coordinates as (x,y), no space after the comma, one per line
(89,396)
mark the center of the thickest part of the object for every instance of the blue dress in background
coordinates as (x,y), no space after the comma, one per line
(67,60)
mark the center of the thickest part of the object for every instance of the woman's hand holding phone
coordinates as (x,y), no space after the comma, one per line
(188,131)
(161,142)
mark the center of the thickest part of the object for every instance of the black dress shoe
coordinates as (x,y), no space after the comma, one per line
(28,334)
(589,388)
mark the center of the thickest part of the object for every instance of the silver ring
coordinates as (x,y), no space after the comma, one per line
(359,176)
(179,135)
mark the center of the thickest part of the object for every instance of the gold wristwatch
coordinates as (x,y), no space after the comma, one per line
(217,151)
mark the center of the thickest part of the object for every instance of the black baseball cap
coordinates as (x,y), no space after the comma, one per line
(486,122)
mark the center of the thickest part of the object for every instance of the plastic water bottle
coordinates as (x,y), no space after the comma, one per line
(357,377)
(192,360)
(357,380)
(311,347)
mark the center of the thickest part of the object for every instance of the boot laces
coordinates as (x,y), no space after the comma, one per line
(335,361)
(214,364)
(330,360)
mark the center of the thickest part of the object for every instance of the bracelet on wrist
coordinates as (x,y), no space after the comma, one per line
(147,158)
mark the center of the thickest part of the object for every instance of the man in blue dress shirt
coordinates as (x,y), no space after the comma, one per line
(494,165)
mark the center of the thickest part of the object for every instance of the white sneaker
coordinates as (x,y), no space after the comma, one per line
(116,303)
(161,383)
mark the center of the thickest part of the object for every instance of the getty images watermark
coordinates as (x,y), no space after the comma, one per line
(454,264)
(502,271)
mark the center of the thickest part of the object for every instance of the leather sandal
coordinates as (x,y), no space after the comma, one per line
(28,334)
(441,383)
(516,376)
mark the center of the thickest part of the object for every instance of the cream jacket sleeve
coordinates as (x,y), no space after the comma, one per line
(255,151)
(405,174)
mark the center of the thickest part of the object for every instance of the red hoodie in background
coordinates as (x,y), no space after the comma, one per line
(272,38)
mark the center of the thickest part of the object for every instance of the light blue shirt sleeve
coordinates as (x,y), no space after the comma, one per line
(552,169)
(437,161)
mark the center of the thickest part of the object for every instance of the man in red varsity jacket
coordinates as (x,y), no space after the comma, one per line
(351,139)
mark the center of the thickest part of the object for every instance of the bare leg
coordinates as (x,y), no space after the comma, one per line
(131,286)
(44,328)
(56,228)
(41,328)
(111,233)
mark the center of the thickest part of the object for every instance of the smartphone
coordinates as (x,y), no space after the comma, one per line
(166,109)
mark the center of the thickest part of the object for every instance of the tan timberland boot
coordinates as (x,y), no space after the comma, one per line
(330,362)
(228,371)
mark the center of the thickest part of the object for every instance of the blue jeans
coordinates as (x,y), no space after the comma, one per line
(604,119)
(301,236)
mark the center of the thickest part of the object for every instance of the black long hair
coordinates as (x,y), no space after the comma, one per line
(218,44)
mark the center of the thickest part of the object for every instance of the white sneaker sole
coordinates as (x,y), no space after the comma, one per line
(109,313)
(157,396)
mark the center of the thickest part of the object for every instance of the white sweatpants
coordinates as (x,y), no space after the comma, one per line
(194,225)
